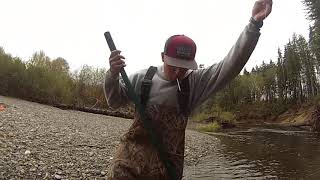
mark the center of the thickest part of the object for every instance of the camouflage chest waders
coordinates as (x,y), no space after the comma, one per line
(136,158)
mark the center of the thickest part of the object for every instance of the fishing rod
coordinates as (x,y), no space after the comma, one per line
(145,121)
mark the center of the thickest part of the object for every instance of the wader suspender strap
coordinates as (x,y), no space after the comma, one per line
(183,99)
(183,96)
(146,85)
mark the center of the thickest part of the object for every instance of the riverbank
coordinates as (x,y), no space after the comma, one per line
(43,142)
(305,117)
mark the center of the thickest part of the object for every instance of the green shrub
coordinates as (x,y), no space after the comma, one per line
(198,117)
(212,127)
(227,116)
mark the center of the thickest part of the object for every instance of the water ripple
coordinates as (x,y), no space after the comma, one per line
(261,154)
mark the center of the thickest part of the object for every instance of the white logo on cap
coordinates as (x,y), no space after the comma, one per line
(184,51)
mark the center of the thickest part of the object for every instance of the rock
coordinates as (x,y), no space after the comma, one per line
(10,134)
(2,107)
(69,164)
(27,152)
(46,176)
(97,172)
(33,169)
(56,176)
(22,171)
(103,173)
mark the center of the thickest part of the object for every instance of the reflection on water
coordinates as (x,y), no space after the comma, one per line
(261,154)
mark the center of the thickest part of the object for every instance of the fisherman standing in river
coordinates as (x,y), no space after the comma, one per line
(169,93)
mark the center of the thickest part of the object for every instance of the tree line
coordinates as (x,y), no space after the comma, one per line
(50,81)
(293,78)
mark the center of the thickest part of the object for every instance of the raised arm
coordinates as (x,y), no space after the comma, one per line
(205,82)
(114,90)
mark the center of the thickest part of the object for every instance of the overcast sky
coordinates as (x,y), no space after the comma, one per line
(73,29)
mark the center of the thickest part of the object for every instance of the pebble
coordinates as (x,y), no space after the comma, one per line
(33,169)
(27,152)
(56,176)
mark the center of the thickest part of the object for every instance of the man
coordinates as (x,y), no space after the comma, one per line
(177,88)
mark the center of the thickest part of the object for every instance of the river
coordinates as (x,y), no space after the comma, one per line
(260,153)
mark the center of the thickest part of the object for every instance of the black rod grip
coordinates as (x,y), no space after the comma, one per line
(110,42)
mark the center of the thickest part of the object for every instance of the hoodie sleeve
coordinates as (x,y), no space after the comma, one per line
(115,90)
(206,82)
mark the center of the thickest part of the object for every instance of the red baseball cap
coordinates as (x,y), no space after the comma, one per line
(180,51)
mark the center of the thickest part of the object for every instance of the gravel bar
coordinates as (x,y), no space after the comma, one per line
(43,142)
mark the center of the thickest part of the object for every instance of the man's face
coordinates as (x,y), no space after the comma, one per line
(172,73)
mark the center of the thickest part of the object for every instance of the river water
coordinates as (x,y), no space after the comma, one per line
(259,153)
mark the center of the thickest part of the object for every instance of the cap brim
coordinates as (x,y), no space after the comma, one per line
(188,64)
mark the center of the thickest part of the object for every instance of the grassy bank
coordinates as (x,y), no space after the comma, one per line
(304,116)
(212,121)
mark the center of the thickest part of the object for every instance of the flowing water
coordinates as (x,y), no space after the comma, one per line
(259,153)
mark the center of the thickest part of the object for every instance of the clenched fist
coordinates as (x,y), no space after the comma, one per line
(261,9)
(116,62)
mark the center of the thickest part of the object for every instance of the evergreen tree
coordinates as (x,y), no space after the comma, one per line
(307,67)
(281,78)
(313,9)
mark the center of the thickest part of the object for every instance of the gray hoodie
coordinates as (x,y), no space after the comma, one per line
(203,82)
